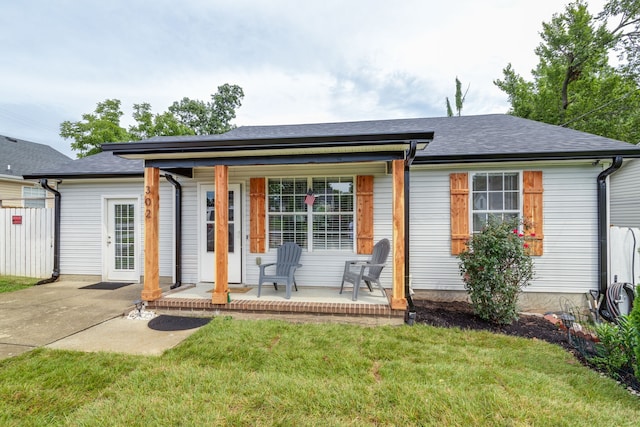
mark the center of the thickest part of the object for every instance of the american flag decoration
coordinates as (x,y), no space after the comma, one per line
(310,198)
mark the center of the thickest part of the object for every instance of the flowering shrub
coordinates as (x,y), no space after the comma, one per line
(495,267)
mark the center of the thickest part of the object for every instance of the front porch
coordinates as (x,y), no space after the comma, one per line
(309,303)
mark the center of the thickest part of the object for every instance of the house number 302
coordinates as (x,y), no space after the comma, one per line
(147,202)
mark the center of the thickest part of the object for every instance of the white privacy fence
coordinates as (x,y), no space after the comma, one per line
(625,258)
(26,242)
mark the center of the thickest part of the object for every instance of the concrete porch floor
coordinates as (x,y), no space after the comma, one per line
(308,304)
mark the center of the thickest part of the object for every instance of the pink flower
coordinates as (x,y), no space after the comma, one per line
(515,231)
(533,234)
(526,245)
(520,235)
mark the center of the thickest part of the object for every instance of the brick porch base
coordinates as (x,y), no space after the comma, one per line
(198,306)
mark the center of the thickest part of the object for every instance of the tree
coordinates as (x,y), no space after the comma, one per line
(211,117)
(149,125)
(626,33)
(95,129)
(186,117)
(459,99)
(573,84)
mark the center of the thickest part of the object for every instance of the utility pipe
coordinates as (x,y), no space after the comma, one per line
(603,233)
(56,233)
(178,230)
(411,154)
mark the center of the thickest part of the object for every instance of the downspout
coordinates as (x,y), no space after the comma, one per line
(56,233)
(603,240)
(178,230)
(411,154)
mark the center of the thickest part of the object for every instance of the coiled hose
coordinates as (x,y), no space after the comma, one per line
(613,298)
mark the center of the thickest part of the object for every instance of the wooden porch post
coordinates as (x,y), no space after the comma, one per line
(151,287)
(398,300)
(221,235)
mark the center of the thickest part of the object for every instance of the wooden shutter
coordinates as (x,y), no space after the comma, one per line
(532,209)
(257,214)
(364,220)
(459,192)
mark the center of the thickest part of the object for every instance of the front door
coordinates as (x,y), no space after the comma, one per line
(121,252)
(207,227)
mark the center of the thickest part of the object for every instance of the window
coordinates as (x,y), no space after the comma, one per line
(494,194)
(325,222)
(465,206)
(34,197)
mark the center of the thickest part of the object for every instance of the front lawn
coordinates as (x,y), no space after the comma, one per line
(15,283)
(234,372)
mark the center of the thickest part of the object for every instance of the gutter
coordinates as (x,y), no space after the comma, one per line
(411,155)
(56,234)
(426,159)
(178,230)
(603,236)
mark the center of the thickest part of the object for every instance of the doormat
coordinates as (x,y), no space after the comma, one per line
(108,286)
(177,323)
(235,290)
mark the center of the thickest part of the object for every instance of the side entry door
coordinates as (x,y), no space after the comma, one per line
(121,245)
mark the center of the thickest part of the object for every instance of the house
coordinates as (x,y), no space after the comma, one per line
(149,208)
(19,157)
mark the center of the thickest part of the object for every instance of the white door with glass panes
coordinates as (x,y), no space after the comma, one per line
(206,230)
(121,240)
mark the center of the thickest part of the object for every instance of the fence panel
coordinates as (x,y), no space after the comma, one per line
(26,242)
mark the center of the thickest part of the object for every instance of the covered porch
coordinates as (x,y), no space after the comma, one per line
(218,153)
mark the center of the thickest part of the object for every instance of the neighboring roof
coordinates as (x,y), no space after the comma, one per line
(494,137)
(102,165)
(19,157)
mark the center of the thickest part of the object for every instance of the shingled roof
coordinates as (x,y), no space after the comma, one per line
(465,138)
(494,137)
(19,157)
(101,165)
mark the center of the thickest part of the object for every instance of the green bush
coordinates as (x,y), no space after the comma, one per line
(495,267)
(634,320)
(616,346)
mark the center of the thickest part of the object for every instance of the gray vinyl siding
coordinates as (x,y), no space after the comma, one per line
(81,224)
(625,195)
(569,263)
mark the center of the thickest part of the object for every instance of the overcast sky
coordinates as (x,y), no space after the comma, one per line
(297,61)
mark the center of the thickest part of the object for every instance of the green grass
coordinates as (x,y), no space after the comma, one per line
(262,373)
(15,283)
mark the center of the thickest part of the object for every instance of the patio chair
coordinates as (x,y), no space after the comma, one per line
(368,272)
(286,264)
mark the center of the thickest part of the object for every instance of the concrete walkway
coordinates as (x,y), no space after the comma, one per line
(61,315)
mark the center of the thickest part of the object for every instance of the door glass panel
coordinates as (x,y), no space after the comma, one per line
(124,236)
(210,222)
